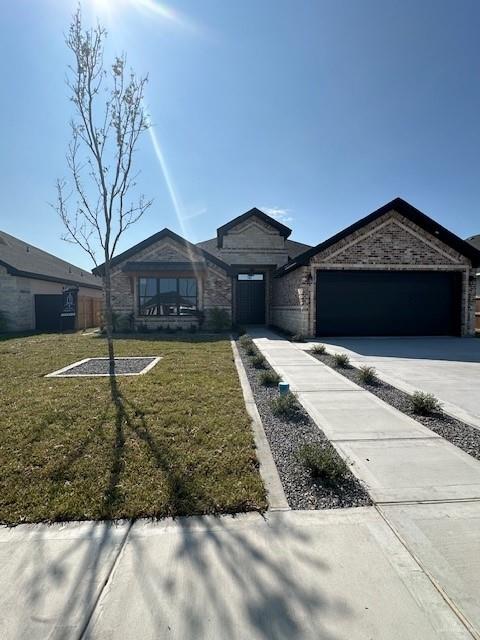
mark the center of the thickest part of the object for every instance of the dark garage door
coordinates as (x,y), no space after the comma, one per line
(388,303)
(47,312)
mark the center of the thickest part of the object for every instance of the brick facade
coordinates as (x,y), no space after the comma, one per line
(391,242)
(213,284)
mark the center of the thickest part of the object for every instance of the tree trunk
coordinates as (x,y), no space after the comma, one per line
(109,318)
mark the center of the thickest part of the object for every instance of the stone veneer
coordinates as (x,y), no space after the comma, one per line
(391,242)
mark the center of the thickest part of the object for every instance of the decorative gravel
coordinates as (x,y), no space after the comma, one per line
(455,431)
(100,367)
(285,438)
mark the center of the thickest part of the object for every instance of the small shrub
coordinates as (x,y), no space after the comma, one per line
(287,406)
(245,339)
(259,362)
(322,462)
(424,403)
(297,337)
(122,323)
(241,331)
(367,375)
(269,378)
(341,360)
(320,349)
(251,350)
(142,328)
(219,319)
(193,328)
(159,328)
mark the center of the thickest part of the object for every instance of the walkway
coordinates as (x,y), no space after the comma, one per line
(426,488)
(318,575)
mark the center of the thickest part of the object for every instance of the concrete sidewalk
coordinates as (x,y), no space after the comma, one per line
(317,575)
(427,489)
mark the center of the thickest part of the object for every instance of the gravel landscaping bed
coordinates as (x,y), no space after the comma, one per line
(455,431)
(100,367)
(285,438)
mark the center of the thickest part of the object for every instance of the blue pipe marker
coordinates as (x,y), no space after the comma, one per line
(283,388)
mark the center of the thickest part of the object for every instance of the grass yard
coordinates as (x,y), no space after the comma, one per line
(176,441)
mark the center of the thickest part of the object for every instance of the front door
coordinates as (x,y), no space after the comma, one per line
(250,298)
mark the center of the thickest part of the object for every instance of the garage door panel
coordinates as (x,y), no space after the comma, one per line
(356,302)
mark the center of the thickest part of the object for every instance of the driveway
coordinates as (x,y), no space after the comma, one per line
(447,367)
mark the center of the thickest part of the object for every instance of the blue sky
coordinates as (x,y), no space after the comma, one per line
(322,111)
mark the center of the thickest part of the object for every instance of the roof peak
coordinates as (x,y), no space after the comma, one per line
(254,211)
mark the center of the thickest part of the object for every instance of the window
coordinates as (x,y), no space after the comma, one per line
(167,296)
(250,276)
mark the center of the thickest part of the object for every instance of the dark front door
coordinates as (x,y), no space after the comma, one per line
(388,303)
(250,298)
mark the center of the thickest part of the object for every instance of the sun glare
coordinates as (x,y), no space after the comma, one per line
(111,8)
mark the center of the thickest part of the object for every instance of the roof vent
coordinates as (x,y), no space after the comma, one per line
(27,248)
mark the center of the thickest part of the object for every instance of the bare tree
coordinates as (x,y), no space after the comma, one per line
(96,206)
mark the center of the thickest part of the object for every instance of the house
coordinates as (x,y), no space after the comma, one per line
(35,286)
(475,241)
(394,272)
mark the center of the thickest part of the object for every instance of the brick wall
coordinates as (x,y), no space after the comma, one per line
(214,284)
(393,242)
(291,301)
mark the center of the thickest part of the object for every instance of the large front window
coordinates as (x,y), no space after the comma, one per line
(167,296)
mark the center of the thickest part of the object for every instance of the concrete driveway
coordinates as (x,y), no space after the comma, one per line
(447,367)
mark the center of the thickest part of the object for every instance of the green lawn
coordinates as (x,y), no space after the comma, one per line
(177,441)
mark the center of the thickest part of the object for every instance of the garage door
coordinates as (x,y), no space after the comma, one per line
(48,308)
(388,303)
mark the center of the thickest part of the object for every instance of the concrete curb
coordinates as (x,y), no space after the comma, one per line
(268,469)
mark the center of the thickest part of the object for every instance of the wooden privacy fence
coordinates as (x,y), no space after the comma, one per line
(89,312)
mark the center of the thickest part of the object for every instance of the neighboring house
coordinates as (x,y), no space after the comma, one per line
(475,241)
(395,272)
(32,285)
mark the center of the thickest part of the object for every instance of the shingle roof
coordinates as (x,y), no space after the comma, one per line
(164,233)
(23,259)
(475,241)
(292,247)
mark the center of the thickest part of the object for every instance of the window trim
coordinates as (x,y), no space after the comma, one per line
(177,296)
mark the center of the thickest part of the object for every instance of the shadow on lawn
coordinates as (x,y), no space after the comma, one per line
(204,577)
(181,488)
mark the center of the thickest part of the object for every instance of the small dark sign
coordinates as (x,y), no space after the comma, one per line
(69,303)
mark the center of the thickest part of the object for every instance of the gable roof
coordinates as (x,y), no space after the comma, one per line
(164,233)
(24,260)
(474,241)
(407,211)
(281,228)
